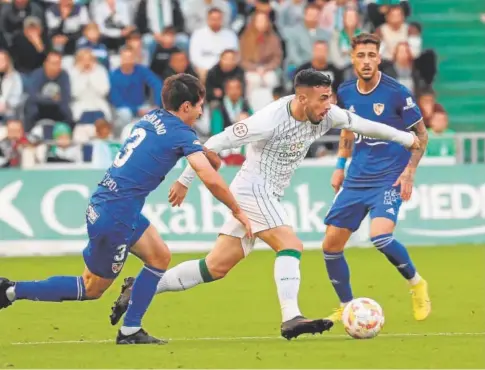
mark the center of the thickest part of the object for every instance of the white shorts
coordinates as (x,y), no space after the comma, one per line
(263,209)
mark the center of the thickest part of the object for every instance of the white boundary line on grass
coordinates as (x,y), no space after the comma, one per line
(397,335)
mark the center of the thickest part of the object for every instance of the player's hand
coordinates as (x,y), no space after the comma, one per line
(242,218)
(416,144)
(406,180)
(177,193)
(338,177)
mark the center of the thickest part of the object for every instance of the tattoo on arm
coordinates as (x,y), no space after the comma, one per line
(346,144)
(417,154)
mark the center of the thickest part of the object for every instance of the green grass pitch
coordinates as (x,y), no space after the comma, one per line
(234,323)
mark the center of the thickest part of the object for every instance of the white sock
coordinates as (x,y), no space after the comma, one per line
(287,278)
(10,293)
(129,330)
(181,277)
(415,279)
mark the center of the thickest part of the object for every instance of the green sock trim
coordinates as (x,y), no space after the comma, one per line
(204,271)
(289,253)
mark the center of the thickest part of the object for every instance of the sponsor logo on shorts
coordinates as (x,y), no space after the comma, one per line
(91,214)
(391,197)
(116,267)
(391,211)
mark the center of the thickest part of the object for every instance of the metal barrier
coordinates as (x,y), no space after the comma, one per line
(470,147)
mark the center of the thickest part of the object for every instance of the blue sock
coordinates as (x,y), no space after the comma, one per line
(339,274)
(396,253)
(142,294)
(54,289)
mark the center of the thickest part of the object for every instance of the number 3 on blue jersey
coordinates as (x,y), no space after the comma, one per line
(135,139)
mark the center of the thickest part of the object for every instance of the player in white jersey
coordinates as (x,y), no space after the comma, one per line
(278,139)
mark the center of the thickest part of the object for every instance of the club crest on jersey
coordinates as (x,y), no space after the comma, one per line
(116,267)
(378,108)
(240,129)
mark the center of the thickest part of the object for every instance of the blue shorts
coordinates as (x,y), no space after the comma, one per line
(351,205)
(109,241)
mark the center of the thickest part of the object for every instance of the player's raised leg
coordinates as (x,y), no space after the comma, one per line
(227,252)
(104,256)
(151,249)
(382,229)
(54,289)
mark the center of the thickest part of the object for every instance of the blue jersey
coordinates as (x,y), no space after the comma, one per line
(157,142)
(375,162)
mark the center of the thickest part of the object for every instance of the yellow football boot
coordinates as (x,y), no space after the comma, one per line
(421,301)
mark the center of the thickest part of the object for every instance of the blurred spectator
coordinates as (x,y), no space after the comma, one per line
(441,139)
(104,148)
(234,107)
(91,40)
(331,15)
(301,38)
(135,43)
(395,30)
(3,42)
(89,85)
(377,9)
(402,68)
(207,43)
(165,48)
(10,87)
(260,6)
(179,63)
(49,93)
(198,11)
(128,89)
(115,21)
(30,47)
(64,150)
(226,68)
(13,15)
(428,105)
(153,16)
(11,147)
(320,63)
(341,44)
(65,22)
(290,15)
(261,55)
(278,92)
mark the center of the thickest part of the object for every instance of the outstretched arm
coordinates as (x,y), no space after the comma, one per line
(257,127)
(340,118)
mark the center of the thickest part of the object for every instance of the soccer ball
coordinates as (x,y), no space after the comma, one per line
(363,318)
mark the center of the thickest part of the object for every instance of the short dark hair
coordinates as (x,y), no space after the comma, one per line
(179,88)
(228,51)
(169,29)
(214,10)
(54,52)
(366,38)
(311,6)
(312,78)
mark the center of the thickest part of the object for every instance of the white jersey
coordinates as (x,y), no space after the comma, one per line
(277,143)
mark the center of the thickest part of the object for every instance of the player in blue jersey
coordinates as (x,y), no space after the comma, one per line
(379,177)
(114,221)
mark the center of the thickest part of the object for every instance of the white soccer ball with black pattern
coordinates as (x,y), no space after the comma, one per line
(363,318)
